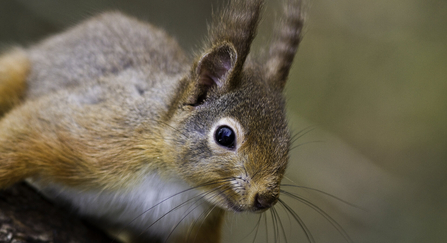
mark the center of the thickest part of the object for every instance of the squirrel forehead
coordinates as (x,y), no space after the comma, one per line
(251,110)
(257,107)
(244,105)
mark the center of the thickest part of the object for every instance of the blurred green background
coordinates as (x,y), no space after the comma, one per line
(370,78)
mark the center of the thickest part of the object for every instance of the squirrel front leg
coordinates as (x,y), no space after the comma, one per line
(55,139)
(27,144)
(18,148)
(14,69)
(30,147)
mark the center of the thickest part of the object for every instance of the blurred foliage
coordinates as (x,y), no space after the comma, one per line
(374,72)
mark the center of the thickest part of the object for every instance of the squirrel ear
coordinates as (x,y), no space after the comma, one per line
(215,68)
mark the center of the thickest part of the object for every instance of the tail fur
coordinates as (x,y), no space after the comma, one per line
(14,69)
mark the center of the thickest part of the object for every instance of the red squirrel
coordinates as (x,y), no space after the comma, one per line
(113,119)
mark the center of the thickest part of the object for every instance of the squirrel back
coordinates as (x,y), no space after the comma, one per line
(112,110)
(105,45)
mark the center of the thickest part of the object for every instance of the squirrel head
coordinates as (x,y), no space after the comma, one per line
(231,138)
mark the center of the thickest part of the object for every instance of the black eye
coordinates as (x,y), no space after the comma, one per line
(225,136)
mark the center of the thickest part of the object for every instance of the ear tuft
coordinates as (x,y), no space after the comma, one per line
(285,44)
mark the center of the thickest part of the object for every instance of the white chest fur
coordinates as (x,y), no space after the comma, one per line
(155,206)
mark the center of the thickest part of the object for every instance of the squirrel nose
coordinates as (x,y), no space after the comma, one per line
(264,201)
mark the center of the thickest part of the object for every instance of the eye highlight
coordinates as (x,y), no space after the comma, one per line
(225,136)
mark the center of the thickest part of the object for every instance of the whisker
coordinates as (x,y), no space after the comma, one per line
(278,218)
(290,221)
(275,225)
(186,215)
(301,144)
(325,193)
(164,215)
(311,127)
(254,229)
(266,228)
(200,196)
(170,197)
(317,209)
(208,212)
(298,219)
(204,218)
(257,227)
(301,133)
(178,193)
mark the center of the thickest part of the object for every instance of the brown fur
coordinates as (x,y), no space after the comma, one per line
(113,99)
(14,69)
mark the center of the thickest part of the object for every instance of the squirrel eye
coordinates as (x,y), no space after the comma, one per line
(225,137)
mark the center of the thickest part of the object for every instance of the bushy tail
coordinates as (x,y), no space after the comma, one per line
(14,69)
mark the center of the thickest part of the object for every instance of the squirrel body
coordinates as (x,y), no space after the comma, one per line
(112,118)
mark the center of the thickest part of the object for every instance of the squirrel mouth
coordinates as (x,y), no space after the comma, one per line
(226,203)
(230,205)
(234,207)
(260,204)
